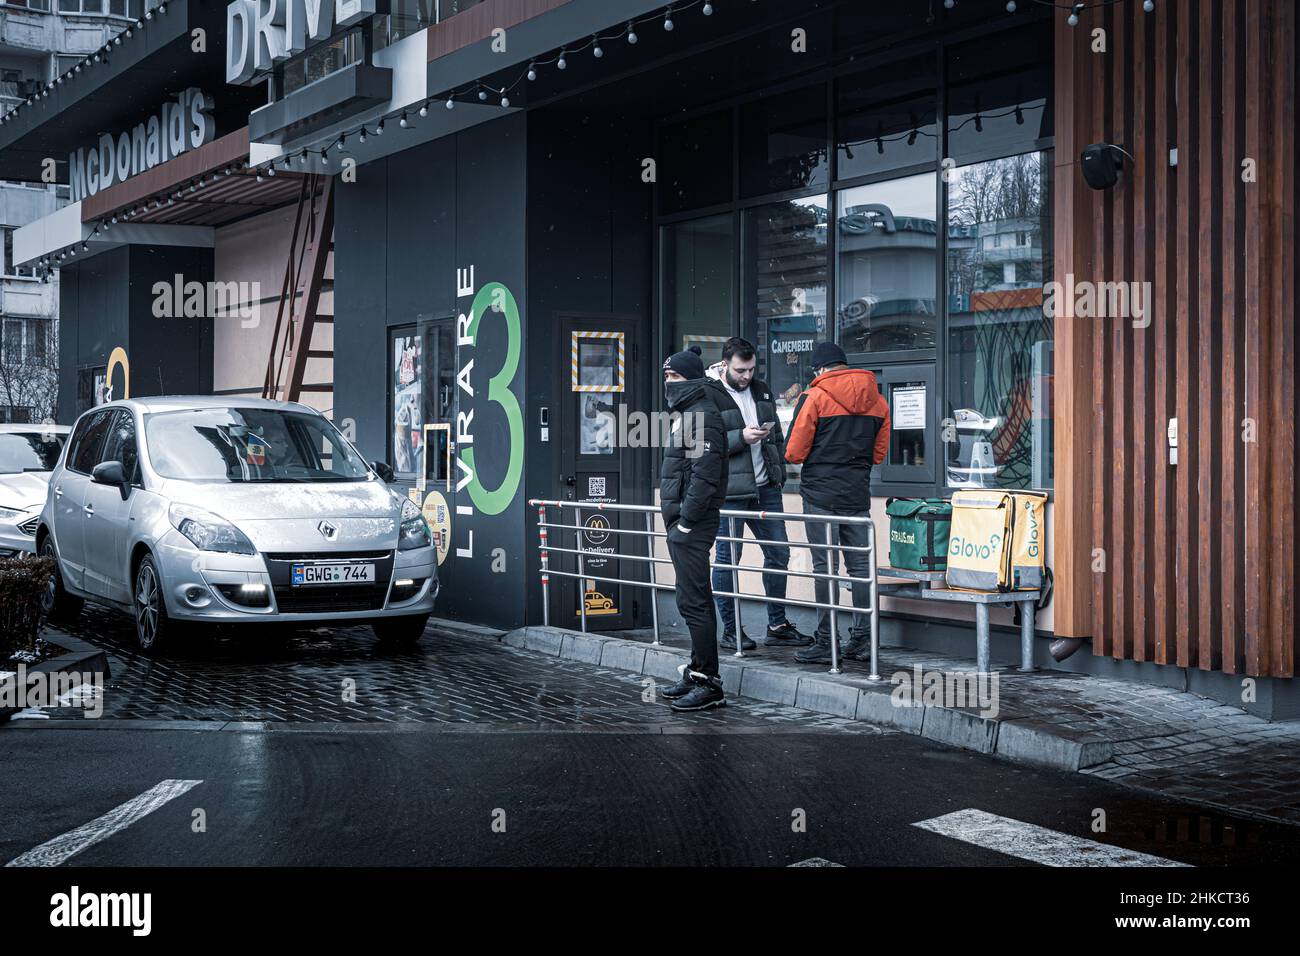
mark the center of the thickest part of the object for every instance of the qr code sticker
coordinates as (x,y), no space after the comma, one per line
(596,487)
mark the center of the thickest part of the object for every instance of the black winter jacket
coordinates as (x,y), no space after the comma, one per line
(693,478)
(741,481)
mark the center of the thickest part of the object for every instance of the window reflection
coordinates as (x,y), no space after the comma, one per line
(783,142)
(887,261)
(999,340)
(698,295)
(885,118)
(785,292)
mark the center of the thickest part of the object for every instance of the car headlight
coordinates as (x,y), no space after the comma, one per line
(415,530)
(209,532)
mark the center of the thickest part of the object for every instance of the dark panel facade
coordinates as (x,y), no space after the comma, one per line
(408,233)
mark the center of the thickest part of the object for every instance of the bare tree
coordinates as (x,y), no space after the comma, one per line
(30,378)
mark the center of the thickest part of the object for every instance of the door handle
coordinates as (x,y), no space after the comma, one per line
(90,512)
(58,491)
(570,480)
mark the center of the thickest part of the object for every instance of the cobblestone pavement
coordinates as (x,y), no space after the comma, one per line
(448,678)
(1179,744)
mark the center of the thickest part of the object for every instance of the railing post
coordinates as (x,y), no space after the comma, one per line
(833,537)
(875,602)
(582,568)
(546,578)
(654,587)
(733,554)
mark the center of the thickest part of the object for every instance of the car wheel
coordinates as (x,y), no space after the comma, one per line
(152,626)
(401,630)
(59,606)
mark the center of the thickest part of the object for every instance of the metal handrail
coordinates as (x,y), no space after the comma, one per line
(835,577)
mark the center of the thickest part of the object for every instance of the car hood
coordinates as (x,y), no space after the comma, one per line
(288,517)
(24,490)
(270,501)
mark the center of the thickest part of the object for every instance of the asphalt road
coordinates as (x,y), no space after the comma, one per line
(483,755)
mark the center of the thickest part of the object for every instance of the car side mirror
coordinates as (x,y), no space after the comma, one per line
(383,470)
(112,473)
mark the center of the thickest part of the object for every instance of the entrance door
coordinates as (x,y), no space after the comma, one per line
(596,393)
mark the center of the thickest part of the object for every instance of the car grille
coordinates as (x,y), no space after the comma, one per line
(328,599)
(29,526)
(320,599)
(327,555)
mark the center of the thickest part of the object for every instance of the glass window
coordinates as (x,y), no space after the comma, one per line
(885,118)
(783,142)
(887,265)
(34,450)
(406,350)
(693,166)
(88,440)
(999,98)
(999,337)
(250,444)
(785,272)
(121,445)
(699,295)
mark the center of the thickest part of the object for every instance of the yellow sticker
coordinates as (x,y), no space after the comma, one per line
(438,515)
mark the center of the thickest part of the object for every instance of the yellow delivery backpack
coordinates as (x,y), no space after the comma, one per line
(1028,540)
(979,541)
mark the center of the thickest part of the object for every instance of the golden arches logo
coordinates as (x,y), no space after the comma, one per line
(118,357)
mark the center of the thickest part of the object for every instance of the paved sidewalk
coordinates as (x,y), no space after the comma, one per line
(1176,743)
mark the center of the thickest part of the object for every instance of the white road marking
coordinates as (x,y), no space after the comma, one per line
(69,844)
(817,861)
(1037,844)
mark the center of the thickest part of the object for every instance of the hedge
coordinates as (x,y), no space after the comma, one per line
(22,587)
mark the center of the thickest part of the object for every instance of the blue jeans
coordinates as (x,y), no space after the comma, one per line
(774,555)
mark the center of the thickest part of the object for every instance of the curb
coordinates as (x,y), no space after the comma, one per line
(1021,739)
(78,656)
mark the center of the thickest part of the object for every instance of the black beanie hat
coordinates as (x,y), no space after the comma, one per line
(827,353)
(687,364)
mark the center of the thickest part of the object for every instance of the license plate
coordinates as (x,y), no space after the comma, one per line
(305,574)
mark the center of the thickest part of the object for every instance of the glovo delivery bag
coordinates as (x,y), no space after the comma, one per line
(979,542)
(918,533)
(1028,540)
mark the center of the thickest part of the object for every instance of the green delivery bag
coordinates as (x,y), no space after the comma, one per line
(918,533)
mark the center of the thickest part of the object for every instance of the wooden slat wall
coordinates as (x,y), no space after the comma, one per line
(1199,557)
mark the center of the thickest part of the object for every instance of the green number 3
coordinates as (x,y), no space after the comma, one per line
(496,501)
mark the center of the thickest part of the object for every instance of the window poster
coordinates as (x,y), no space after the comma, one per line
(407,376)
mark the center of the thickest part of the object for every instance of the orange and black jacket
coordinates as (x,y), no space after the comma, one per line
(840,429)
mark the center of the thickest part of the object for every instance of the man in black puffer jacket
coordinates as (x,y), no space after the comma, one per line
(692,487)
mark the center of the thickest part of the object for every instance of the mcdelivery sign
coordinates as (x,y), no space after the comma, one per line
(262,33)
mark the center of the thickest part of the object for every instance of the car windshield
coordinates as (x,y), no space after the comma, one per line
(29,451)
(250,444)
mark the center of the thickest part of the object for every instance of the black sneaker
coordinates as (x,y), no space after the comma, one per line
(681,688)
(859,646)
(818,653)
(786,635)
(728,641)
(705,692)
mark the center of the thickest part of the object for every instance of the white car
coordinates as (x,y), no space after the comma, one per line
(230,510)
(28,453)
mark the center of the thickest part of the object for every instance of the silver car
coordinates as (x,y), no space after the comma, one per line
(224,510)
(27,456)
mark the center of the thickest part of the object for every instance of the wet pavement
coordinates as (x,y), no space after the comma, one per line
(327,748)
(1164,740)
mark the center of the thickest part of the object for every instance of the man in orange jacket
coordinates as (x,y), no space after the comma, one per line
(840,429)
